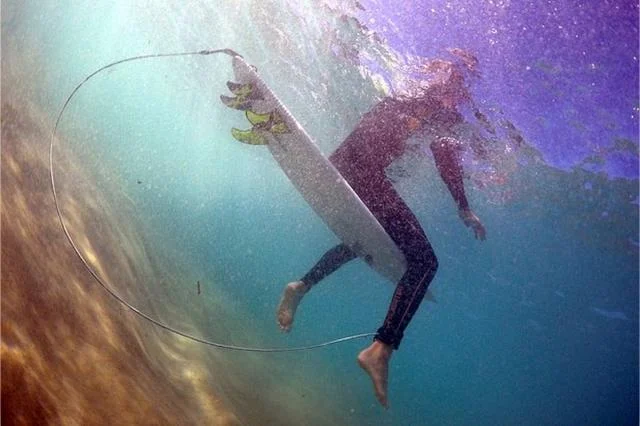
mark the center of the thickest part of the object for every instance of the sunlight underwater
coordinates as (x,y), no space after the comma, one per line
(201,233)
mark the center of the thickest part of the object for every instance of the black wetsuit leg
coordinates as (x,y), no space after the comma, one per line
(404,228)
(330,262)
(364,170)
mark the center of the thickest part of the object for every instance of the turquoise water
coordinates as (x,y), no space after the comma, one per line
(537,325)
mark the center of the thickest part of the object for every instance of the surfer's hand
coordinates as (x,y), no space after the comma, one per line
(471,220)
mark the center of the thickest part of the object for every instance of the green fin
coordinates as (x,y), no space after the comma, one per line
(271,121)
(277,124)
(235,103)
(239,89)
(250,137)
(279,128)
(257,119)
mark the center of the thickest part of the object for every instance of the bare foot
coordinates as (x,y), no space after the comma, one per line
(375,361)
(291,297)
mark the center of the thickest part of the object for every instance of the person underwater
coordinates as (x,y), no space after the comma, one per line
(378,139)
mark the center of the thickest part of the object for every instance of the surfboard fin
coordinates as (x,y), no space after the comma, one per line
(239,89)
(279,128)
(277,124)
(235,102)
(271,122)
(250,137)
(244,94)
(257,119)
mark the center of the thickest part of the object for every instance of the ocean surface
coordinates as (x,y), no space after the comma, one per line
(537,325)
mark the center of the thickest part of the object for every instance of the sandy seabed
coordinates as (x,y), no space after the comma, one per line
(71,354)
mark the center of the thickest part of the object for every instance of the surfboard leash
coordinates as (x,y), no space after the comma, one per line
(99,279)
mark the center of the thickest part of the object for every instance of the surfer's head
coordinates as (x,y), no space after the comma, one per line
(447,79)
(446,82)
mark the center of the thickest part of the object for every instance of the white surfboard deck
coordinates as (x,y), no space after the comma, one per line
(322,185)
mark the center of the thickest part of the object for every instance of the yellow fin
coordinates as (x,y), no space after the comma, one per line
(250,137)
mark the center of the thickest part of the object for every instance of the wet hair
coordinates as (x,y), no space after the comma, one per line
(465,58)
(446,78)
(430,80)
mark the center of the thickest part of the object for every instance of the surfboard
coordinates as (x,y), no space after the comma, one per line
(311,173)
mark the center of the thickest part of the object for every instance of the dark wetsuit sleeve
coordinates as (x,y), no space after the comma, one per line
(445,153)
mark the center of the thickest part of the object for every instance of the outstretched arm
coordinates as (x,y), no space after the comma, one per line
(445,152)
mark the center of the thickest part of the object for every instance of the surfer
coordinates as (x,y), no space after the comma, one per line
(362,158)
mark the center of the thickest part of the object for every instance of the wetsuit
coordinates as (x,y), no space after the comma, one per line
(362,158)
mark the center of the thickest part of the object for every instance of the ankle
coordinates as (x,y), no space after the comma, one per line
(381,349)
(300,286)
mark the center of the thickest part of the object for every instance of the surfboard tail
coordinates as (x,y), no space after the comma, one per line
(247,98)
